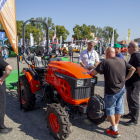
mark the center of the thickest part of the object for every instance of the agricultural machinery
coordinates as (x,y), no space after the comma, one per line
(65,85)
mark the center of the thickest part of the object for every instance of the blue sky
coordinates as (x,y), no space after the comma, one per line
(119,14)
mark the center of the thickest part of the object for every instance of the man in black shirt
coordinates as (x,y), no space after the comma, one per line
(4,66)
(133,86)
(114,70)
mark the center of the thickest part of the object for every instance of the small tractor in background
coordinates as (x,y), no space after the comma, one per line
(63,84)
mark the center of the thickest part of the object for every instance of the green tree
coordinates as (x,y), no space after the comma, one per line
(61,31)
(108,32)
(93,29)
(98,32)
(42,27)
(19,28)
(82,31)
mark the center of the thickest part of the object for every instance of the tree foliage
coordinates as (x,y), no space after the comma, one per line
(108,32)
(85,31)
(82,32)
(61,31)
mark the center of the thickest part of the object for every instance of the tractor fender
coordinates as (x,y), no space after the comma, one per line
(34,84)
(95,108)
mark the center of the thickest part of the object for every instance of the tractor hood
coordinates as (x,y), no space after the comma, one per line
(70,69)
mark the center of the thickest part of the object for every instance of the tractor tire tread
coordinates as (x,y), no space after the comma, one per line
(30,97)
(62,119)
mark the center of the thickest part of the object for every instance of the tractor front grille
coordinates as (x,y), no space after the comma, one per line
(81,92)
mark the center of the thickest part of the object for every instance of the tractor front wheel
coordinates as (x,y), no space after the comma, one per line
(58,121)
(27,97)
(98,120)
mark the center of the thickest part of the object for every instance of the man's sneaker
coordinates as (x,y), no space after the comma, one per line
(127,116)
(131,122)
(110,132)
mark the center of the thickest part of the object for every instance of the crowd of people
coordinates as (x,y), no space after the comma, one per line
(3,52)
(119,76)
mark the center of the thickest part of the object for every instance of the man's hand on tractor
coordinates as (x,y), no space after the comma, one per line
(1,80)
(85,67)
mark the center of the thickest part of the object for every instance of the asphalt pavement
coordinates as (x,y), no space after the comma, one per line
(31,125)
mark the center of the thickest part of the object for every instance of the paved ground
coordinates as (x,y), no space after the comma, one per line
(32,125)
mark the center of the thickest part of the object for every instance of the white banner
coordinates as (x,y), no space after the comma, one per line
(72,40)
(31,39)
(61,40)
(54,33)
(21,41)
(109,41)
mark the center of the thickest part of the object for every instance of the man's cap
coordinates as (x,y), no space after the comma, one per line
(117,46)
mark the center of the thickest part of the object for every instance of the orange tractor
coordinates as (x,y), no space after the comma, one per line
(63,84)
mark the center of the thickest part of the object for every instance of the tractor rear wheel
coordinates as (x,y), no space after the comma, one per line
(27,97)
(58,121)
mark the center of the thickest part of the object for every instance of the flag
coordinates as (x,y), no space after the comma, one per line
(55,33)
(61,40)
(112,41)
(109,41)
(86,40)
(21,41)
(97,41)
(57,40)
(52,39)
(72,41)
(8,20)
(128,35)
(31,39)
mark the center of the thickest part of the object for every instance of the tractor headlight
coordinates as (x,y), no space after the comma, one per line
(80,83)
(60,76)
(93,81)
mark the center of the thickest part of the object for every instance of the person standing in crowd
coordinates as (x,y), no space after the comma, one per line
(21,52)
(4,66)
(133,86)
(4,53)
(117,48)
(0,51)
(89,57)
(114,70)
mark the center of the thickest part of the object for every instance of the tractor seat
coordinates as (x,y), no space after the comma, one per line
(54,59)
(40,69)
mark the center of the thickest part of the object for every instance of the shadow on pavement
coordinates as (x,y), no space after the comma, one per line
(84,123)
(31,123)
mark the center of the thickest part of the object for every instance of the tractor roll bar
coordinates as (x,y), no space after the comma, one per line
(23,35)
